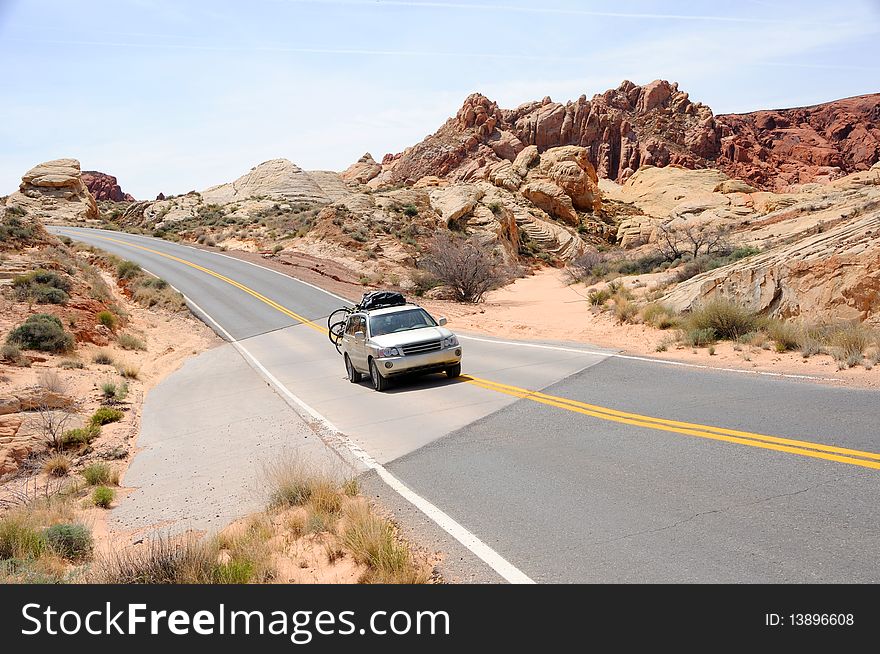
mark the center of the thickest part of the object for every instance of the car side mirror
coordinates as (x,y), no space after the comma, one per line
(442,321)
(360,336)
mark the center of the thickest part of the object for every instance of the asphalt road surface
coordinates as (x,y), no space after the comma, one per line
(572,464)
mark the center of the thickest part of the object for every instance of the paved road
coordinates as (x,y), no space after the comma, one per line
(621,470)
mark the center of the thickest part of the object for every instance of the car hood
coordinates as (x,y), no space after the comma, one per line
(411,336)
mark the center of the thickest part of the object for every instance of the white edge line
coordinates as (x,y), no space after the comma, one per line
(490,557)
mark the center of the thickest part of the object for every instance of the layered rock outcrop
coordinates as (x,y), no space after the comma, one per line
(55,189)
(104,187)
(278,178)
(362,170)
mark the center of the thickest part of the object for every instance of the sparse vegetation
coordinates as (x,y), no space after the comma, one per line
(41,331)
(81,436)
(727,320)
(11,353)
(128,370)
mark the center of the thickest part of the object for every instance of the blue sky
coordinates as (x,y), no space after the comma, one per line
(172,95)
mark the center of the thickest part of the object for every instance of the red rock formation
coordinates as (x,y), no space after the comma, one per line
(621,129)
(104,187)
(655,124)
(777,148)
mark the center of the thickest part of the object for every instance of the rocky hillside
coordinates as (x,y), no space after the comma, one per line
(778,148)
(104,187)
(632,126)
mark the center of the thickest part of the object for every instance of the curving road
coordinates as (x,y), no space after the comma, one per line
(568,463)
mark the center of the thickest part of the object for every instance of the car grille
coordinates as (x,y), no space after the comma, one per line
(421,348)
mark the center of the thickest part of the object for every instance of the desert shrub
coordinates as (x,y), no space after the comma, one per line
(127,270)
(153,282)
(69,541)
(103,357)
(373,542)
(786,335)
(640,266)
(494,207)
(107,319)
(325,498)
(598,297)
(42,286)
(80,436)
(108,390)
(412,211)
(56,465)
(103,497)
(13,230)
(11,353)
(351,487)
(41,331)
(106,415)
(97,474)
(659,316)
(130,342)
(160,561)
(277,248)
(468,268)
(852,338)
(727,319)
(423,281)
(699,337)
(290,482)
(588,266)
(71,364)
(19,538)
(625,310)
(128,370)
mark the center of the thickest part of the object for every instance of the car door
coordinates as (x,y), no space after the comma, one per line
(356,349)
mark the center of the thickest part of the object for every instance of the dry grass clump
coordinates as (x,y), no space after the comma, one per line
(57,465)
(373,542)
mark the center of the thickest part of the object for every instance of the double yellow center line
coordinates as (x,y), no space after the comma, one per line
(788,445)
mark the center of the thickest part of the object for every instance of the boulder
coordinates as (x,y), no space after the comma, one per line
(55,190)
(362,170)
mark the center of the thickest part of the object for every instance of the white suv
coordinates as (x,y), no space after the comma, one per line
(392,341)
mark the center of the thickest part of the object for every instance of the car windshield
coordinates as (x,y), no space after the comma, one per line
(400,321)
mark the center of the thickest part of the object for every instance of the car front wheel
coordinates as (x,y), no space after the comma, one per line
(353,375)
(379,382)
(453,371)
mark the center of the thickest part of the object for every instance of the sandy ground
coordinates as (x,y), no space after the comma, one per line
(544,306)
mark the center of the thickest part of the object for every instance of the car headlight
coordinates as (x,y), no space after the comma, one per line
(385,352)
(452,341)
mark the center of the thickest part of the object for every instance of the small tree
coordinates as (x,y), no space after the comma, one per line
(679,237)
(464,265)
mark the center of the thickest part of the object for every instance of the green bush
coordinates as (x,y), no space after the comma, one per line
(70,541)
(13,230)
(41,331)
(234,572)
(103,497)
(107,319)
(106,415)
(103,358)
(786,335)
(127,270)
(726,319)
(411,211)
(80,436)
(97,474)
